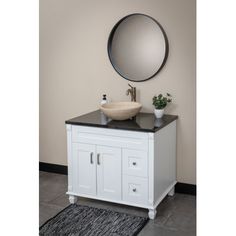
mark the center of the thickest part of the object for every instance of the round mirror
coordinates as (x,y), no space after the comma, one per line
(137,47)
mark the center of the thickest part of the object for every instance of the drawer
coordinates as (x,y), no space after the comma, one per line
(135,189)
(135,162)
(110,137)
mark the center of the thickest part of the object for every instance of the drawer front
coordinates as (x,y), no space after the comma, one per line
(110,137)
(135,162)
(135,189)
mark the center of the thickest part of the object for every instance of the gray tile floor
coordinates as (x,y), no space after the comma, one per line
(176,216)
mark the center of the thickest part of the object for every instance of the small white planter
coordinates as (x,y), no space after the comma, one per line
(159,113)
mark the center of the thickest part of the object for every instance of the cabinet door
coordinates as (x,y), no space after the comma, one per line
(109,172)
(84,168)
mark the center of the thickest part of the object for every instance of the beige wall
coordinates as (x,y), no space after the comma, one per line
(75,70)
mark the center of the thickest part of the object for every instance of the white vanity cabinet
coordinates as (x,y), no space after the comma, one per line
(122,166)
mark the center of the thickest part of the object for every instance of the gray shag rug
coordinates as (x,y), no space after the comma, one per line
(77,220)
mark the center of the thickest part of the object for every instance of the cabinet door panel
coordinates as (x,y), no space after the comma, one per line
(109,172)
(84,167)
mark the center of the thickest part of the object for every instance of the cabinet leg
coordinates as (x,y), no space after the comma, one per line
(152,214)
(172,192)
(73,199)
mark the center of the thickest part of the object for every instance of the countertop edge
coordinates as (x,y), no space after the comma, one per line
(175,117)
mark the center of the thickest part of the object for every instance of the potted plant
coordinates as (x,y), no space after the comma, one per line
(160,102)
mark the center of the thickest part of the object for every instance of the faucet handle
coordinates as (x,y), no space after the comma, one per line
(130,86)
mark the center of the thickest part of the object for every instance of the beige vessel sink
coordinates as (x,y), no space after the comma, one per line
(121,110)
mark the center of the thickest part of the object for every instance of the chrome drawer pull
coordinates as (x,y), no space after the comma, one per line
(134,190)
(91,157)
(98,159)
(134,163)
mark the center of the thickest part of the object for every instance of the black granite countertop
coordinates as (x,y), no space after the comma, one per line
(144,122)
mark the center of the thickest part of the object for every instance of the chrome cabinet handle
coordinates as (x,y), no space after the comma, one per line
(134,163)
(98,159)
(91,157)
(134,190)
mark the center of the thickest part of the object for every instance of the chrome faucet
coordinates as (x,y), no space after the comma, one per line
(132,92)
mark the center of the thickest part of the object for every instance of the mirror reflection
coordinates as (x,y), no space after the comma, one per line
(137,47)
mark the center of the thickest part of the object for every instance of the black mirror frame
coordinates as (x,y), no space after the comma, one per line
(109,45)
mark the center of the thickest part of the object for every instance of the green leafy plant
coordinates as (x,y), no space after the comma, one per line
(160,102)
